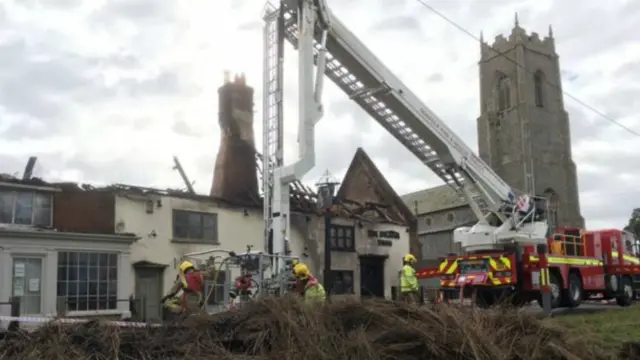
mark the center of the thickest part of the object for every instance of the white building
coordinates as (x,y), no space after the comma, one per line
(79,273)
(371,233)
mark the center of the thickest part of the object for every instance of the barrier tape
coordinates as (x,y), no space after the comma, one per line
(42,320)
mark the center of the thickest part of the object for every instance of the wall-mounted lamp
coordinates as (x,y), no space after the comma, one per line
(152,234)
(246,212)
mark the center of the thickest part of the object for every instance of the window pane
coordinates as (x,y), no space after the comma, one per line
(103,272)
(180,224)
(62,259)
(93,303)
(24,208)
(195,226)
(83,273)
(103,260)
(103,288)
(341,243)
(62,273)
(340,232)
(209,227)
(83,288)
(112,303)
(94,259)
(62,288)
(93,273)
(348,243)
(73,258)
(83,259)
(113,288)
(113,259)
(42,210)
(6,207)
(72,288)
(83,303)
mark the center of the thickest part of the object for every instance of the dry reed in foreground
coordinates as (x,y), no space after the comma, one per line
(285,329)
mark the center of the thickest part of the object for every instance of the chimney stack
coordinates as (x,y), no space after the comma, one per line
(235,177)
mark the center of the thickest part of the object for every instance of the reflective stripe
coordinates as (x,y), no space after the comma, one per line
(544,277)
(569,261)
(629,258)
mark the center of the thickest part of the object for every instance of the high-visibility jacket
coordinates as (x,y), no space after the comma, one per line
(314,291)
(408,279)
(192,289)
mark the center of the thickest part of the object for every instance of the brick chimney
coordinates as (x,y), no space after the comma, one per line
(235,177)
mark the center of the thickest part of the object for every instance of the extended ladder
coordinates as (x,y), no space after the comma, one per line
(272,131)
(394,107)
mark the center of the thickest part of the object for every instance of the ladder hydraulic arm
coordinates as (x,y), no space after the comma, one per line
(278,177)
(369,83)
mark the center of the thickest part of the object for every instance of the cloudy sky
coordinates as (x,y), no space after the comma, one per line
(107,91)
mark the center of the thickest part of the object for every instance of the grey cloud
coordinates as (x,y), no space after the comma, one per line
(583,126)
(39,87)
(26,129)
(571,32)
(621,101)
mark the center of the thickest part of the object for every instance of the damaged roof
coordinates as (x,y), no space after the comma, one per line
(435,199)
(364,183)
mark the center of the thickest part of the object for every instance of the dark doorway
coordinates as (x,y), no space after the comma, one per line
(372,276)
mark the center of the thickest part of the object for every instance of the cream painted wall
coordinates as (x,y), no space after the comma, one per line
(369,246)
(236,230)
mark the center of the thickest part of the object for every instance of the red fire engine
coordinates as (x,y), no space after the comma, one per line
(581,265)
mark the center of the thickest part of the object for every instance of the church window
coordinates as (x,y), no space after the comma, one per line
(504,93)
(451,217)
(538,83)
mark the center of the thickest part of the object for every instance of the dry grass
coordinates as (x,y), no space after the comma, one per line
(285,329)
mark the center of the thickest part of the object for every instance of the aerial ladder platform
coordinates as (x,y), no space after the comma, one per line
(310,26)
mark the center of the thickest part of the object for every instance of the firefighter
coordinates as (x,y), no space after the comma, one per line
(312,290)
(191,282)
(408,281)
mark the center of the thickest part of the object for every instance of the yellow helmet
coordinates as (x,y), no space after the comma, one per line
(301,271)
(186,265)
(410,259)
(294,262)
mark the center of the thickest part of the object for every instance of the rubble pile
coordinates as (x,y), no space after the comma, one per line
(284,328)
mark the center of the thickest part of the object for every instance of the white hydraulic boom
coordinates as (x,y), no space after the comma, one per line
(323,40)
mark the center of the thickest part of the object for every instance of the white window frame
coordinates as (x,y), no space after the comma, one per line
(35,194)
(76,311)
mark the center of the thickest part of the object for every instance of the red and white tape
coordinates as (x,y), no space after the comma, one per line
(42,320)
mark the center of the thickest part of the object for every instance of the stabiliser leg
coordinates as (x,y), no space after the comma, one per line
(545,290)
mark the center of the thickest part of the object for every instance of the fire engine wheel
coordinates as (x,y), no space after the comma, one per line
(626,298)
(572,297)
(555,287)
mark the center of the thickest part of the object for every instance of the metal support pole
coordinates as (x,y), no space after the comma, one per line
(326,189)
(545,289)
(15,312)
(328,283)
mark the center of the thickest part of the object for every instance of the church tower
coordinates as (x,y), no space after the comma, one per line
(523,129)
